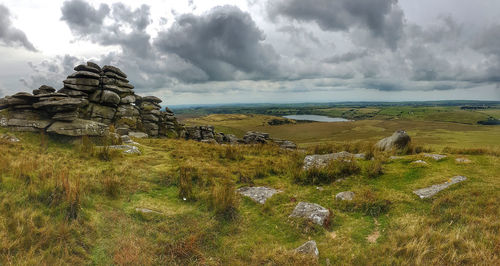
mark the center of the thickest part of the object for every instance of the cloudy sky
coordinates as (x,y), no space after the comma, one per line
(250,51)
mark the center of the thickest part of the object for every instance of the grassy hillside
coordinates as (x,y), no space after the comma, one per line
(439,134)
(62,202)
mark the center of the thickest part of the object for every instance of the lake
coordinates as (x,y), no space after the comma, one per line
(317,118)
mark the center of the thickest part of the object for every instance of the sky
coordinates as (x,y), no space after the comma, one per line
(260,51)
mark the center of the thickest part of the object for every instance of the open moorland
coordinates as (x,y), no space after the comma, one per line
(74,201)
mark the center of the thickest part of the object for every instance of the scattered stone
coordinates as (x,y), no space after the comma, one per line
(436,157)
(144,210)
(398,140)
(308,248)
(138,135)
(432,190)
(9,138)
(320,188)
(258,194)
(285,144)
(421,162)
(321,160)
(463,160)
(393,157)
(127,149)
(345,195)
(311,211)
(127,140)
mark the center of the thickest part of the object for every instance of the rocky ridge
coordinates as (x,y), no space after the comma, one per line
(90,101)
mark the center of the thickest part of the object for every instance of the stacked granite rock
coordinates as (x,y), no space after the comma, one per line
(92,99)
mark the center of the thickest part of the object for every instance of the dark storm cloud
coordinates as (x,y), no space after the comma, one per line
(223,43)
(384,19)
(82,18)
(50,72)
(9,35)
(87,22)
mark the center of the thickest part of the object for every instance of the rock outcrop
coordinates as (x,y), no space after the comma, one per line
(321,160)
(399,140)
(309,248)
(90,101)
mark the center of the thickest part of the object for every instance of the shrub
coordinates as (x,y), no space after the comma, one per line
(224,201)
(373,168)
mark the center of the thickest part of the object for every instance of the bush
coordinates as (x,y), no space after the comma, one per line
(224,201)
(373,168)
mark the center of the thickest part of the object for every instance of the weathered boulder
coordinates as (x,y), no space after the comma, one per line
(28,124)
(321,160)
(114,70)
(44,89)
(152,99)
(311,211)
(127,149)
(308,248)
(85,74)
(105,97)
(434,189)
(54,105)
(66,116)
(258,194)
(285,144)
(103,113)
(82,81)
(345,195)
(463,160)
(79,87)
(94,65)
(87,68)
(78,127)
(9,138)
(252,137)
(399,140)
(115,76)
(127,99)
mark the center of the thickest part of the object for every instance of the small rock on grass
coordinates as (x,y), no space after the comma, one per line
(345,195)
(463,160)
(434,189)
(258,194)
(9,138)
(312,211)
(127,149)
(420,162)
(436,157)
(309,248)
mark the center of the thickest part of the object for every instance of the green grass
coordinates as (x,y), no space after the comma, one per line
(458,226)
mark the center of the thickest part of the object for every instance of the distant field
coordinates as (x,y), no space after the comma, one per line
(433,133)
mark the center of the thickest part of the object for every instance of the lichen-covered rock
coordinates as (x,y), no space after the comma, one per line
(345,195)
(434,189)
(321,160)
(258,194)
(436,157)
(252,137)
(309,248)
(311,211)
(127,149)
(79,127)
(399,140)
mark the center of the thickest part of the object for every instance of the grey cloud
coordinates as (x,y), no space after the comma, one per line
(88,22)
(82,18)
(9,35)
(225,43)
(346,57)
(50,72)
(384,19)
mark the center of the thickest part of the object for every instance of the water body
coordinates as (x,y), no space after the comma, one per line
(316,118)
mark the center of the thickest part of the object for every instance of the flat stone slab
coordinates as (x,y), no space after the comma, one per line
(320,160)
(312,211)
(436,157)
(420,162)
(9,138)
(258,194)
(345,195)
(127,149)
(145,210)
(432,190)
(309,248)
(463,160)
